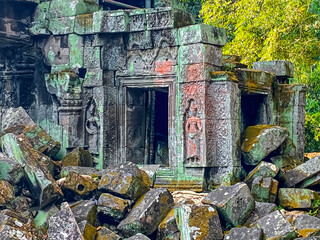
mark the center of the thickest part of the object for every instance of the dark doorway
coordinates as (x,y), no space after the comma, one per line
(253,110)
(147,126)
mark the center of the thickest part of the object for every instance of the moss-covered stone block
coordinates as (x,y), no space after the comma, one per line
(260,140)
(62,25)
(61,8)
(297,198)
(202,33)
(112,208)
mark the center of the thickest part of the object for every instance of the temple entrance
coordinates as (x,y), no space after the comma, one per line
(146,118)
(253,110)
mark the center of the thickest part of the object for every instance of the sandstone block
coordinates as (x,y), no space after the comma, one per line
(264,189)
(106,234)
(264,170)
(279,68)
(301,172)
(235,203)
(275,226)
(244,233)
(295,198)
(307,225)
(112,207)
(138,236)
(123,183)
(261,210)
(16,116)
(6,193)
(78,157)
(85,210)
(88,231)
(168,228)
(260,140)
(40,182)
(10,170)
(147,213)
(199,222)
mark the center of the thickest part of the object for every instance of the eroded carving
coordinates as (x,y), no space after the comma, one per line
(92,126)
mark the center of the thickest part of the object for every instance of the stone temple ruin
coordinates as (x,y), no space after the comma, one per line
(144,85)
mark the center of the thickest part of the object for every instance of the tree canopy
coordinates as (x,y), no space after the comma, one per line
(268,29)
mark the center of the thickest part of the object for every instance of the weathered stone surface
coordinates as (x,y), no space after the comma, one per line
(22,205)
(264,170)
(16,227)
(39,138)
(88,231)
(151,170)
(41,220)
(40,182)
(6,193)
(261,210)
(307,225)
(264,189)
(60,8)
(291,215)
(279,68)
(302,172)
(10,170)
(15,116)
(93,172)
(292,198)
(78,157)
(202,33)
(63,225)
(234,203)
(285,163)
(112,207)
(275,226)
(168,228)
(106,234)
(123,184)
(244,233)
(85,210)
(80,184)
(138,236)
(260,140)
(199,222)
(147,213)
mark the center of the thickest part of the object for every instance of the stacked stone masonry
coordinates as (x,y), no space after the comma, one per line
(146,86)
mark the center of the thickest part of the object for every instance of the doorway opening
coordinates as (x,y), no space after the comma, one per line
(253,110)
(147,117)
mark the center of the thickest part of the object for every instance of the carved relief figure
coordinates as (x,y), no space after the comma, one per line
(193,130)
(92,127)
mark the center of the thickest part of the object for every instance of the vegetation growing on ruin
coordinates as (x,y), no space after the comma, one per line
(265,30)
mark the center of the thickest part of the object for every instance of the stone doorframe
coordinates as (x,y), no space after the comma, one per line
(145,81)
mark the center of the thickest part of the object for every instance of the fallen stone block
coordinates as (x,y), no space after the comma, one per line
(78,157)
(90,171)
(6,193)
(16,116)
(147,213)
(264,170)
(10,170)
(40,182)
(302,172)
(88,231)
(151,171)
(106,234)
(41,220)
(123,184)
(307,225)
(39,138)
(112,207)
(285,163)
(80,184)
(235,203)
(275,226)
(168,228)
(15,227)
(199,222)
(138,236)
(244,233)
(291,215)
(22,205)
(296,198)
(63,225)
(261,210)
(85,210)
(264,189)
(260,140)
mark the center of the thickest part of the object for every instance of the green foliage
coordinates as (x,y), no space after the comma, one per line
(267,29)
(314,208)
(263,30)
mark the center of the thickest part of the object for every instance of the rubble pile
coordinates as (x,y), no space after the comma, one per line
(44,198)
